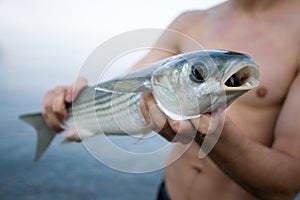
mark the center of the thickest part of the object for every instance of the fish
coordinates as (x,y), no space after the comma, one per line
(184,87)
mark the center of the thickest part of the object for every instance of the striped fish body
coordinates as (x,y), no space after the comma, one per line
(95,112)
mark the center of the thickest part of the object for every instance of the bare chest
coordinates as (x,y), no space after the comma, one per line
(272,48)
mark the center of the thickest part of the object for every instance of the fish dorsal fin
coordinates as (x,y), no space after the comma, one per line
(135,81)
(125,85)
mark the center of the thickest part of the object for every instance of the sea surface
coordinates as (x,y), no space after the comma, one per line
(65,171)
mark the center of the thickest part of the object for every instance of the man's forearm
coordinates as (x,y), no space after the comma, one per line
(263,171)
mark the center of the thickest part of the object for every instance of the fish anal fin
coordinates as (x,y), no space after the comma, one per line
(72,135)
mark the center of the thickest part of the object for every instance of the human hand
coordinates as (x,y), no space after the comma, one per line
(176,131)
(54,103)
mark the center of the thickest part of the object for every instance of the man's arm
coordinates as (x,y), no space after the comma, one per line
(54,110)
(171,40)
(267,172)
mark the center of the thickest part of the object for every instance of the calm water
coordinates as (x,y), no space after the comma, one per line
(66,171)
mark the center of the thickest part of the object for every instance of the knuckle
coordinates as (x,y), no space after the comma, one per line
(59,90)
(49,93)
(58,109)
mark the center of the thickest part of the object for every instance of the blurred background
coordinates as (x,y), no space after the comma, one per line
(44,43)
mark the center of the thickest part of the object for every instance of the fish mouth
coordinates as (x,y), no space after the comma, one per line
(241,79)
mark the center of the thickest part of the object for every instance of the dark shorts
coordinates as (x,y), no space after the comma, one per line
(162,192)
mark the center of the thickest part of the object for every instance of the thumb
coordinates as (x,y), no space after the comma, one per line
(74,89)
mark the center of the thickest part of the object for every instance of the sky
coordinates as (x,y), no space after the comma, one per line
(45,42)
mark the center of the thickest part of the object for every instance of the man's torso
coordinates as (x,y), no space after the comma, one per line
(271,41)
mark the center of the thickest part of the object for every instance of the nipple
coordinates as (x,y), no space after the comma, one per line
(261,92)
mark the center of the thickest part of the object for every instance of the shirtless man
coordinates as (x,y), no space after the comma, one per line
(258,152)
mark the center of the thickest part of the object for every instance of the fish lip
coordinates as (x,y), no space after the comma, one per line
(250,69)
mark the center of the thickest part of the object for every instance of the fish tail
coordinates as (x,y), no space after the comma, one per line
(44,133)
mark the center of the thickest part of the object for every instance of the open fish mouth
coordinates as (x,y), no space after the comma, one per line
(245,78)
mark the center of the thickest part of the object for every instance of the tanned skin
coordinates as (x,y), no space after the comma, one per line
(257,155)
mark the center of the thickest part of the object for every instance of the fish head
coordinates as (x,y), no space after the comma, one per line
(191,84)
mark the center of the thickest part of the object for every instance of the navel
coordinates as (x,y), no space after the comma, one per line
(261,92)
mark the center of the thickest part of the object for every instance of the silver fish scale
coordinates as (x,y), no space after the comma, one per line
(106,112)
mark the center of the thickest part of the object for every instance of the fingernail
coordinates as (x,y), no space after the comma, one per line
(203,130)
(204,124)
(142,100)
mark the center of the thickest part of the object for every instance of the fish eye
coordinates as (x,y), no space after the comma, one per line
(198,72)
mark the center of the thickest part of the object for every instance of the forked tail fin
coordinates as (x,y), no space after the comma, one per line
(44,133)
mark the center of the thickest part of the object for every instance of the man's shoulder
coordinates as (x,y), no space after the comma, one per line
(188,18)
(192,14)
(192,18)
